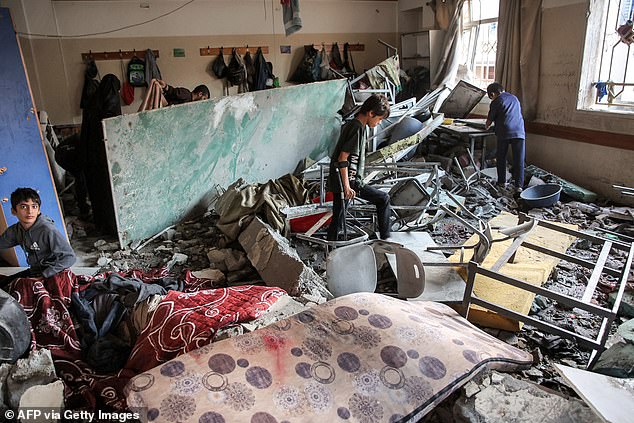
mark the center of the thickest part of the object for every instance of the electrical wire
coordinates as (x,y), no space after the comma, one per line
(109,31)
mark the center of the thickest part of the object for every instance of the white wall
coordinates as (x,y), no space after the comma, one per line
(56,71)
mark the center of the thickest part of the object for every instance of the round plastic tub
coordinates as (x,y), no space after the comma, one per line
(541,195)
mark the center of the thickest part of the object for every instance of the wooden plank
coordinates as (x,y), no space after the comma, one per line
(588,136)
(214,51)
(115,55)
(596,273)
(318,224)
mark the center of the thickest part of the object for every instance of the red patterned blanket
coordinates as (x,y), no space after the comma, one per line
(182,322)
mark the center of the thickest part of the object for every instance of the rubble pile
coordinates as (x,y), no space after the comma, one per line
(299,266)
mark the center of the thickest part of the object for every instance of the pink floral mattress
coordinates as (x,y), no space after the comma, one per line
(360,358)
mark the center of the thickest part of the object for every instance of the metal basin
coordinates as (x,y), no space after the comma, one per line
(541,195)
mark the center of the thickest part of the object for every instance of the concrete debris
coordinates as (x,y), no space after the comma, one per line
(277,262)
(177,258)
(626,309)
(36,369)
(626,330)
(49,397)
(227,259)
(618,359)
(497,398)
(284,307)
(214,274)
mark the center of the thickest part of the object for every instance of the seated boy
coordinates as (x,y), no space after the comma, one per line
(349,159)
(48,252)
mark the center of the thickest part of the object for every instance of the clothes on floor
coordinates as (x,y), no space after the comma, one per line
(194,314)
(241,202)
(47,250)
(101,309)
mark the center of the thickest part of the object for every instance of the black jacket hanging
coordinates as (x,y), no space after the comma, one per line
(348,65)
(250,67)
(305,70)
(218,66)
(262,71)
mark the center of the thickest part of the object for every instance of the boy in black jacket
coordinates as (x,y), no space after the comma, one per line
(47,251)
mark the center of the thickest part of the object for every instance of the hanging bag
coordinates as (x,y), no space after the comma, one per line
(127,90)
(335,58)
(218,67)
(250,67)
(136,72)
(348,64)
(306,68)
(325,72)
(236,73)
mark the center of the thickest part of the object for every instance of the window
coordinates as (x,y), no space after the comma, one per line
(479,41)
(607,81)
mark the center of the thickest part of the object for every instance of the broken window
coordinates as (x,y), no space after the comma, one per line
(479,41)
(607,81)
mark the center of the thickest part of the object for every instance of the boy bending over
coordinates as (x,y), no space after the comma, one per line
(47,251)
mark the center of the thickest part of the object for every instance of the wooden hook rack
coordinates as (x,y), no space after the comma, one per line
(214,51)
(115,55)
(351,47)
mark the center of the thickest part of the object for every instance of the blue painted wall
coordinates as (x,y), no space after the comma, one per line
(21,148)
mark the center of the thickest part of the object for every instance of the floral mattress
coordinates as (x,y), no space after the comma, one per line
(359,358)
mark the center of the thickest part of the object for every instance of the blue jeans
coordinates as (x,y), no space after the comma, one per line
(518,146)
(375,196)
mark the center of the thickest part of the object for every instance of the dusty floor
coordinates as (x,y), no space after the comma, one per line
(195,238)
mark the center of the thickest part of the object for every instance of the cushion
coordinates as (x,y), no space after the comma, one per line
(361,357)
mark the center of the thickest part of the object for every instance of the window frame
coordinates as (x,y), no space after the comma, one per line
(591,61)
(472,28)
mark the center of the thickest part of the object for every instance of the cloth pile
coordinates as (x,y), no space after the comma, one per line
(138,320)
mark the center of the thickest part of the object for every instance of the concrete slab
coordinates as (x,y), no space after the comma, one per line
(530,266)
(277,262)
(610,398)
(87,271)
(442,283)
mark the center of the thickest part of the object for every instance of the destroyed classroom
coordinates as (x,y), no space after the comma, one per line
(185,150)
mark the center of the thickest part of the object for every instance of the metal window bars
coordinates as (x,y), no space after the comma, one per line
(624,38)
(598,268)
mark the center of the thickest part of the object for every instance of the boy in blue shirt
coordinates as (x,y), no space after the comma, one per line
(47,250)
(505,111)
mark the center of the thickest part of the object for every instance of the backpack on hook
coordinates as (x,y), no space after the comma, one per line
(218,67)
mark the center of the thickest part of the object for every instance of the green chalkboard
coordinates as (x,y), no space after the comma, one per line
(168,163)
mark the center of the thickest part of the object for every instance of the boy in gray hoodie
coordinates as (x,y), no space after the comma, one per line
(47,251)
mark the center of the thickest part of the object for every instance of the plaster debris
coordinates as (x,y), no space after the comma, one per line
(36,369)
(277,262)
(49,397)
(505,399)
